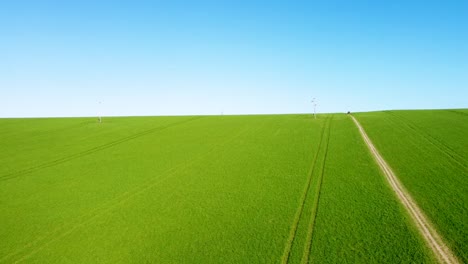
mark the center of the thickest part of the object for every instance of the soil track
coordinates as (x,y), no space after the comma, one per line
(430,235)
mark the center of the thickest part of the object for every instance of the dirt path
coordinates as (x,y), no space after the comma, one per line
(430,235)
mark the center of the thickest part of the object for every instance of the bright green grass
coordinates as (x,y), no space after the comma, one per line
(359,218)
(428,150)
(220,189)
(214,189)
(299,244)
(50,139)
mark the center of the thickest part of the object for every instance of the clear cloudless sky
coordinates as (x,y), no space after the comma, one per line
(60,58)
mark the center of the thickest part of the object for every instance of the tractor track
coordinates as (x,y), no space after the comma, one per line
(298,215)
(310,230)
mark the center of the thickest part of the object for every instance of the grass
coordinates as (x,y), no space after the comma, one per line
(298,243)
(359,218)
(204,190)
(428,151)
(197,189)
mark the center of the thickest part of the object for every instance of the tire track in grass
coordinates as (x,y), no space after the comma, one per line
(297,217)
(108,206)
(434,241)
(91,150)
(442,147)
(313,215)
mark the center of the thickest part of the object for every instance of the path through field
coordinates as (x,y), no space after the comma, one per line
(430,235)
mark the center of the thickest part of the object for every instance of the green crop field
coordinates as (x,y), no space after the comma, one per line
(229,189)
(429,152)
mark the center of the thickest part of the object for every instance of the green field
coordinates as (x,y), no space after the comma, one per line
(229,189)
(429,152)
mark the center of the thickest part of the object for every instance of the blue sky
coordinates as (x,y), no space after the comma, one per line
(60,58)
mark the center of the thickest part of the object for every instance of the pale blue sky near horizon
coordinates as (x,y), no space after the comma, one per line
(60,58)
